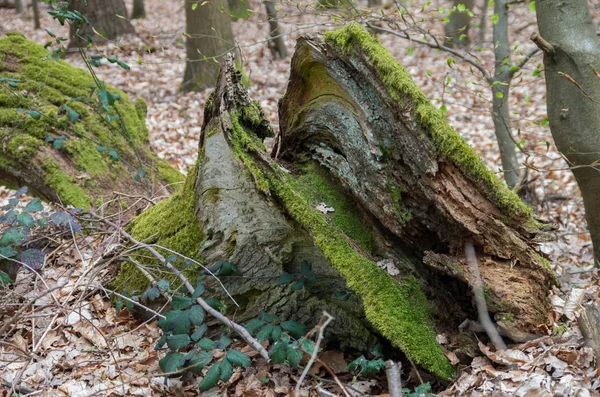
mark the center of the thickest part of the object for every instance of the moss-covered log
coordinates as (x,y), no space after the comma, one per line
(57,139)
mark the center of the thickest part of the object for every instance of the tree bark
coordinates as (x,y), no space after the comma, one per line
(457,28)
(209,37)
(19,6)
(573,96)
(276,43)
(65,150)
(35,5)
(107,18)
(139,9)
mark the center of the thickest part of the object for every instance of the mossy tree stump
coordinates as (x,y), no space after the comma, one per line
(58,141)
(399,194)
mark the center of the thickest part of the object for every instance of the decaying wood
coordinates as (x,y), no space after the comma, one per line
(589,323)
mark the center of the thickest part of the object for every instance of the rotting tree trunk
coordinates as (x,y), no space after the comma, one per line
(401,193)
(79,160)
(276,43)
(107,21)
(457,28)
(208,38)
(139,9)
(572,65)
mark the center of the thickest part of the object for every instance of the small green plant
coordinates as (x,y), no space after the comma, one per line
(423,390)
(369,367)
(299,280)
(18,227)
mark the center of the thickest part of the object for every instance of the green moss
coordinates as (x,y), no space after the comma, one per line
(401,88)
(173,224)
(86,156)
(401,313)
(211,195)
(314,184)
(169,174)
(548,266)
(22,147)
(68,191)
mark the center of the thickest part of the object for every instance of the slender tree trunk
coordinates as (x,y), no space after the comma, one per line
(374,3)
(19,6)
(106,17)
(500,91)
(482,23)
(139,9)
(572,64)
(457,28)
(276,43)
(35,5)
(209,37)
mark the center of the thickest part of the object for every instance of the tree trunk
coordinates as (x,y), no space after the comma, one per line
(500,92)
(482,23)
(107,21)
(35,5)
(276,43)
(65,150)
(571,67)
(19,6)
(139,10)
(368,184)
(457,28)
(7,4)
(209,37)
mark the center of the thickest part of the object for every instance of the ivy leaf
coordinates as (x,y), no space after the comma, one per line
(35,115)
(150,294)
(25,220)
(238,358)
(176,342)
(160,342)
(211,378)
(199,332)
(113,154)
(181,302)
(58,144)
(199,361)
(253,325)
(196,315)
(73,116)
(305,267)
(34,205)
(200,288)
(265,333)
(226,370)
(33,258)
(285,278)
(171,362)
(206,344)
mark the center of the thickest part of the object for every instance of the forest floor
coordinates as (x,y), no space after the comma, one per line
(72,357)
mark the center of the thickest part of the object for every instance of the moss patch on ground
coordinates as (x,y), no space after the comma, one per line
(404,91)
(399,311)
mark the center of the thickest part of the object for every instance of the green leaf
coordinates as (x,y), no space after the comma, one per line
(176,321)
(5,278)
(101,149)
(171,362)
(305,267)
(34,205)
(545,122)
(8,252)
(294,328)
(450,61)
(211,378)
(163,285)
(12,235)
(285,278)
(181,302)
(200,288)
(278,351)
(373,366)
(199,332)
(443,109)
(253,325)
(226,370)
(223,342)
(113,154)
(35,115)
(532,6)
(238,358)
(160,342)
(199,361)
(276,333)
(206,344)
(294,356)
(194,6)
(298,285)
(495,18)
(266,317)
(461,8)
(25,220)
(499,95)
(150,294)
(265,333)
(111,59)
(12,203)
(73,116)
(58,144)
(356,363)
(196,315)
(123,65)
(176,342)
